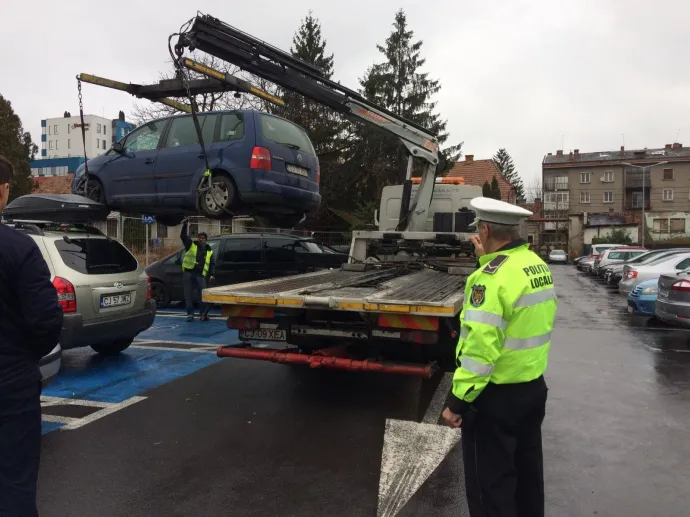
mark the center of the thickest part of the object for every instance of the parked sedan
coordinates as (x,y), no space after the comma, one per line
(558,257)
(642,299)
(673,303)
(667,264)
(613,273)
(585,264)
(260,164)
(615,256)
(245,258)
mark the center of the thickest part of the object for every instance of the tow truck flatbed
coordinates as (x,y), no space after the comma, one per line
(388,288)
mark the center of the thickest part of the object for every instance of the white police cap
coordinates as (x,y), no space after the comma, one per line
(489,210)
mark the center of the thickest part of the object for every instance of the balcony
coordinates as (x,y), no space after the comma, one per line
(633,178)
(556,184)
(633,199)
(637,205)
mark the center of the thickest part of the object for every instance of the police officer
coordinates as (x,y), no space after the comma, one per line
(198,265)
(498,395)
(30,325)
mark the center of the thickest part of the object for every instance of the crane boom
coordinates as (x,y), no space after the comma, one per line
(214,37)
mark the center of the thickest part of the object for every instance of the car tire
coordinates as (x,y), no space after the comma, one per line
(216,203)
(160,293)
(94,190)
(170,220)
(113,348)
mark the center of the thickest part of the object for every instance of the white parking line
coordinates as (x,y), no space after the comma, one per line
(189,343)
(199,350)
(107,408)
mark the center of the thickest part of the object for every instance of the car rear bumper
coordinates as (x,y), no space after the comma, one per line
(642,305)
(76,333)
(674,313)
(268,188)
(50,365)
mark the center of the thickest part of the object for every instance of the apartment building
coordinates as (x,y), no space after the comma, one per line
(619,182)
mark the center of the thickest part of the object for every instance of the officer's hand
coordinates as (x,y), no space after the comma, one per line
(451,419)
(212,278)
(478,248)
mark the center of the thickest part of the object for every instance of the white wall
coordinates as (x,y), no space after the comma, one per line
(603,231)
(667,225)
(64,139)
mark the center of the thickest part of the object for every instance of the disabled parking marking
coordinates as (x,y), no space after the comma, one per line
(171,329)
(69,423)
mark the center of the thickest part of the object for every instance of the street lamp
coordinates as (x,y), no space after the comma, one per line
(644,168)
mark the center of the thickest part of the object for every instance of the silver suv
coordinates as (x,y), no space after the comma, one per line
(104,294)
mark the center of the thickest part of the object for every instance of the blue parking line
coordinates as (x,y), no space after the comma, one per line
(87,376)
(175,328)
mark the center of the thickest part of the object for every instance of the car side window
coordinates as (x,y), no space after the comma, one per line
(683,264)
(183,132)
(280,250)
(173,259)
(145,138)
(241,250)
(614,255)
(231,127)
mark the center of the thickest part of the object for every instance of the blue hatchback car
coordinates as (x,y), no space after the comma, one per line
(642,299)
(261,164)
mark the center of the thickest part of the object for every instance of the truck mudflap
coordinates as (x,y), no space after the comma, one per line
(328,358)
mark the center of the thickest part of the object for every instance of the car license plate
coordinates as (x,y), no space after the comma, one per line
(116,300)
(630,309)
(263,334)
(297,170)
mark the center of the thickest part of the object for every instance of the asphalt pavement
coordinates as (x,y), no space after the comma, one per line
(167,429)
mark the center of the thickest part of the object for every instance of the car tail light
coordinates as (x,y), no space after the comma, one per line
(148,287)
(631,274)
(681,285)
(67,297)
(318,173)
(261,159)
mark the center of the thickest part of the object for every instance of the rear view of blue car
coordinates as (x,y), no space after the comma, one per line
(261,165)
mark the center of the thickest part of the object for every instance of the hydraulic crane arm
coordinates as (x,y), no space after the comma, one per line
(219,39)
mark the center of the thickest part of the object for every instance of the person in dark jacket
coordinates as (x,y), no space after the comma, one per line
(30,325)
(198,266)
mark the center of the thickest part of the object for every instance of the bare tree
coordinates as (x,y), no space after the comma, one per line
(533,188)
(145,110)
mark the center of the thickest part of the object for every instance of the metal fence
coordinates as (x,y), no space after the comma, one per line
(152,242)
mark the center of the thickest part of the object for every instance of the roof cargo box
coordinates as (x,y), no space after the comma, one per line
(59,208)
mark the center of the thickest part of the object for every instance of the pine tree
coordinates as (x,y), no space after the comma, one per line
(495,189)
(17,147)
(399,85)
(324,127)
(504,164)
(486,190)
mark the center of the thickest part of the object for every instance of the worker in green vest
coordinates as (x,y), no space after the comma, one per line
(198,266)
(498,395)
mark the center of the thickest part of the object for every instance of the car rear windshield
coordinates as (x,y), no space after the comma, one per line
(558,252)
(286,133)
(90,256)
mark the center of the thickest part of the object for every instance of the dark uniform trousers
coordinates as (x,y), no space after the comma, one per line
(20,449)
(502,451)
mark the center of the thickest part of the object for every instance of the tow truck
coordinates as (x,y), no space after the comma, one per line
(393,307)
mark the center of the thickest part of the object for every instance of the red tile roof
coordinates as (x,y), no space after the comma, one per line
(476,172)
(53,185)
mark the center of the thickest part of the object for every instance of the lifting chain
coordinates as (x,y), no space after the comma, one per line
(83,137)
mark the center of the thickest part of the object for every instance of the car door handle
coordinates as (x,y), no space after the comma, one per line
(200,155)
(149,161)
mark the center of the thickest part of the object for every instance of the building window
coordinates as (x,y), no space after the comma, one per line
(668,194)
(660,225)
(678,225)
(50,130)
(69,129)
(608,196)
(104,126)
(103,144)
(608,177)
(585,177)
(55,131)
(668,174)
(584,197)
(98,128)
(56,144)
(161,231)
(50,144)
(69,143)
(98,143)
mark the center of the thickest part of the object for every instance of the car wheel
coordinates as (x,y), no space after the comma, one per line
(94,190)
(113,348)
(160,293)
(216,201)
(170,220)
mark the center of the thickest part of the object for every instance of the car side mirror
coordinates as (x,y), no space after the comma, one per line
(118,147)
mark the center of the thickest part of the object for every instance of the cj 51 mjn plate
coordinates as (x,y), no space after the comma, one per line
(263,334)
(115,300)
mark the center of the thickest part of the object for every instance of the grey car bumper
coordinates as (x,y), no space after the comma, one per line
(76,333)
(674,313)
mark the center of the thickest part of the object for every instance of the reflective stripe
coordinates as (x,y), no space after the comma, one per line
(513,343)
(489,318)
(476,367)
(464,333)
(529,299)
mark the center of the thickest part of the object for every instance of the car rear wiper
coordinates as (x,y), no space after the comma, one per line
(95,266)
(291,146)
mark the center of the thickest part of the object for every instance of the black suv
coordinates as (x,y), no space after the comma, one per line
(244,258)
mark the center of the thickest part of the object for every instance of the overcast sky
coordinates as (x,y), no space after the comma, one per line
(524,75)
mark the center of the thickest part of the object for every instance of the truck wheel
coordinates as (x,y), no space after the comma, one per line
(114,348)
